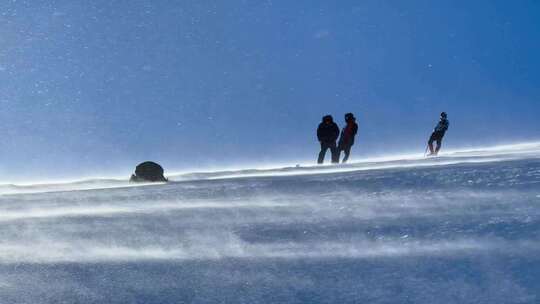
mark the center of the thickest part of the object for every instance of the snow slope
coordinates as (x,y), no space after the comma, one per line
(462,228)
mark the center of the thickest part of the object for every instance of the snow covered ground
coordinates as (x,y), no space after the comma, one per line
(461,228)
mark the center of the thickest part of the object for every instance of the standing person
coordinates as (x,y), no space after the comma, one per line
(438,134)
(346,141)
(327,133)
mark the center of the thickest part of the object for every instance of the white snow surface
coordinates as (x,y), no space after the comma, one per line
(460,228)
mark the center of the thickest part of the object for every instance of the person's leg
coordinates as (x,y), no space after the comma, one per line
(439,144)
(347,152)
(324,147)
(430,143)
(335,153)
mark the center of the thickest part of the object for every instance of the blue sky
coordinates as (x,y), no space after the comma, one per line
(95,87)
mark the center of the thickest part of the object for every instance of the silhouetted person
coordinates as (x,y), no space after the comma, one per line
(346,141)
(438,134)
(327,133)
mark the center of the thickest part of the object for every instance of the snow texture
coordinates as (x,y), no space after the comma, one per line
(461,228)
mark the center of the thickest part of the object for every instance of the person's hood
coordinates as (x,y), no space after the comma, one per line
(327,117)
(350,117)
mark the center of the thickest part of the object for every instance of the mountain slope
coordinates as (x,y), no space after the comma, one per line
(463,228)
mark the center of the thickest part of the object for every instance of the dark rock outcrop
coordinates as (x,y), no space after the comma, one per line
(148,172)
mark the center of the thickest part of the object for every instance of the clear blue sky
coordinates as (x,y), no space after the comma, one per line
(93,87)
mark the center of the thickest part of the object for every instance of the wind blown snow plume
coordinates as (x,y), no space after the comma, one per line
(462,228)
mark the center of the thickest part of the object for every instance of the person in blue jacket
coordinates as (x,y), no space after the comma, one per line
(438,134)
(327,134)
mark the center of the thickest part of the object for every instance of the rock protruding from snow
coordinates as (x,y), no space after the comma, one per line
(148,172)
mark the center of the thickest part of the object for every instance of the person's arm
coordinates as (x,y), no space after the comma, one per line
(355,129)
(439,127)
(335,131)
(319,132)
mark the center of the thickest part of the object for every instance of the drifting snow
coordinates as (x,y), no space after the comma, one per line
(462,228)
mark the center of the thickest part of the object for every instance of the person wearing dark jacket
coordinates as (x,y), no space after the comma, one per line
(346,141)
(438,134)
(327,134)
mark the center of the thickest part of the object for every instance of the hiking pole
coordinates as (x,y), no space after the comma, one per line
(425,152)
